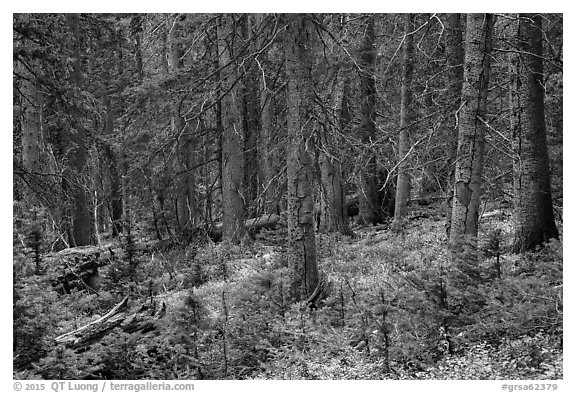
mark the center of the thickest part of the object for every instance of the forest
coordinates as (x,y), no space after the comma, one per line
(287,196)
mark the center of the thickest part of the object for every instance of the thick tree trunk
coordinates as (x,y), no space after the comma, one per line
(252,122)
(406,120)
(77,147)
(533,198)
(187,204)
(232,133)
(455,60)
(301,237)
(471,129)
(370,213)
(333,215)
(31,126)
(268,183)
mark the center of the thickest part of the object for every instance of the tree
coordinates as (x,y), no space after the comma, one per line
(471,128)
(116,202)
(187,204)
(110,153)
(251,117)
(532,194)
(267,173)
(31,102)
(232,131)
(455,60)
(300,38)
(80,235)
(370,212)
(406,120)
(143,106)
(334,217)
(455,63)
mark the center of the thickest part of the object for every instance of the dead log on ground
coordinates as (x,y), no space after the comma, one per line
(128,320)
(252,225)
(78,267)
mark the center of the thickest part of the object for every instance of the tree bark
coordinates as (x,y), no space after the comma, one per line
(471,129)
(406,120)
(116,207)
(187,200)
(370,213)
(80,211)
(232,133)
(31,126)
(334,216)
(268,182)
(533,198)
(455,60)
(252,121)
(116,202)
(300,37)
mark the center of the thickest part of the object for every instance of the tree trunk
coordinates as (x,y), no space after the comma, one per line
(533,198)
(301,237)
(116,206)
(187,204)
(267,164)
(80,211)
(252,122)
(334,217)
(268,183)
(136,30)
(370,213)
(471,129)
(31,125)
(455,60)
(232,133)
(406,120)
(116,203)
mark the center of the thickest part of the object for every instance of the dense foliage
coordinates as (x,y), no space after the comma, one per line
(275,196)
(396,309)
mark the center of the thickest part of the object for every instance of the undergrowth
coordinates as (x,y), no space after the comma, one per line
(401,307)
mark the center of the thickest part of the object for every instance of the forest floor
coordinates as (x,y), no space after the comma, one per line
(400,306)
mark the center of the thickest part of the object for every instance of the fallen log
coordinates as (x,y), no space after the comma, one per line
(128,320)
(351,203)
(429,200)
(78,267)
(252,225)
